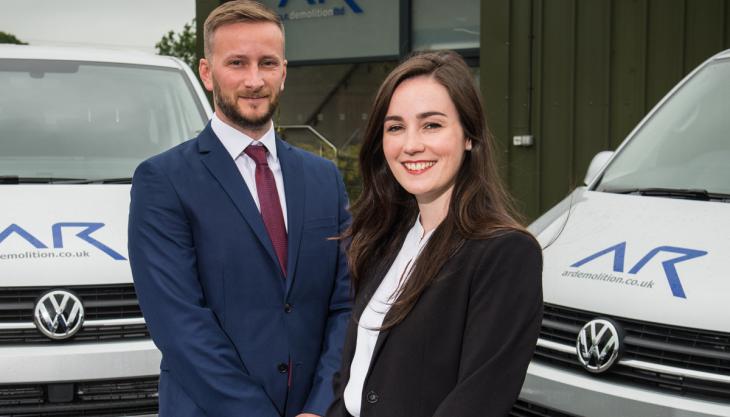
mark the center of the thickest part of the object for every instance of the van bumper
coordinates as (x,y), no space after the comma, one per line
(78,362)
(585,395)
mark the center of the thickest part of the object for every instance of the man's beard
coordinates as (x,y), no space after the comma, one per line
(230,110)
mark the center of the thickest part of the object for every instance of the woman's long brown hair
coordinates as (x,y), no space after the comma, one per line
(384,212)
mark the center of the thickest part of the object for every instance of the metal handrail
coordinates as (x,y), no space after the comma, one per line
(317,134)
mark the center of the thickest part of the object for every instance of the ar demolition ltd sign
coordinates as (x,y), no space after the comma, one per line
(319,12)
(327,31)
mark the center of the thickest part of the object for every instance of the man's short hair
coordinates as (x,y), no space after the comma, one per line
(236,11)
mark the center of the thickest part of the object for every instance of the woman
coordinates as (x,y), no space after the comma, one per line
(448,298)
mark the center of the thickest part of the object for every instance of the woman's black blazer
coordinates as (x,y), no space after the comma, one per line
(464,349)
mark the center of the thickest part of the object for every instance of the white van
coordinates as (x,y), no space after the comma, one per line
(74,124)
(637,269)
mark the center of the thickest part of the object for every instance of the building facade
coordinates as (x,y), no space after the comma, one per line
(561,79)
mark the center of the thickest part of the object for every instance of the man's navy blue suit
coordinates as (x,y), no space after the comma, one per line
(228,323)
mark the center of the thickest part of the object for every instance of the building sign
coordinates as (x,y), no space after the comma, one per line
(337,30)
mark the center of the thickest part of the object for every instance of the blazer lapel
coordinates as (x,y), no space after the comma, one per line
(218,161)
(364,297)
(293,173)
(382,338)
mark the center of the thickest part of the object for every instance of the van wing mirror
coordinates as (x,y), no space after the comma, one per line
(597,163)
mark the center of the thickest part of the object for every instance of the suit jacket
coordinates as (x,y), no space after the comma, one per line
(464,349)
(233,332)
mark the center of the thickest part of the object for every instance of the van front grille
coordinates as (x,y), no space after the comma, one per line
(101,302)
(523,408)
(111,313)
(86,334)
(672,354)
(90,398)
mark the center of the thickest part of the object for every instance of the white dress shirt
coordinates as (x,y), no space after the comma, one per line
(373,315)
(235,142)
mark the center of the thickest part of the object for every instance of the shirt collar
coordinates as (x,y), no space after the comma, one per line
(236,141)
(417,235)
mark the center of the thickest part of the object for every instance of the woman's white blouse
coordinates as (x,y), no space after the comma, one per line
(373,315)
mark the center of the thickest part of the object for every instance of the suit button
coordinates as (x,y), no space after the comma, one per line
(372,397)
(282,368)
(288,308)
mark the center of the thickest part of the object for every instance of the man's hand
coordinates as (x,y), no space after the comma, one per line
(308,415)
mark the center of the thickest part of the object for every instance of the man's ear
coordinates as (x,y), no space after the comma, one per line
(283,78)
(205,75)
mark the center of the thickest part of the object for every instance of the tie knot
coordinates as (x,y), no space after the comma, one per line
(257,153)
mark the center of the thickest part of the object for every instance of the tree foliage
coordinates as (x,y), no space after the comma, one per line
(180,45)
(347,160)
(348,163)
(10,38)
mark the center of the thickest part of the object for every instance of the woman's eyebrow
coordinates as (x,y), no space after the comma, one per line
(418,116)
(429,114)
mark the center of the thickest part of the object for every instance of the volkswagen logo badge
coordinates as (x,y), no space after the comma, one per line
(598,345)
(58,314)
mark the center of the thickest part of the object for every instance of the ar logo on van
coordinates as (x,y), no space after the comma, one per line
(619,253)
(56,231)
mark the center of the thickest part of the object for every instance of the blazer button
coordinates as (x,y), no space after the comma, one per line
(372,397)
(282,368)
(288,308)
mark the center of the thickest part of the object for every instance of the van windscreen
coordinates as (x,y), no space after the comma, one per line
(80,120)
(684,145)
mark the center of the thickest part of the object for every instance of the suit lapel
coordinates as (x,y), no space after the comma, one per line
(361,303)
(220,164)
(367,293)
(293,173)
(382,338)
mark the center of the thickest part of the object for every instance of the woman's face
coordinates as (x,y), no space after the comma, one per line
(423,140)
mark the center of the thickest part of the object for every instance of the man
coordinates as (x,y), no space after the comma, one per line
(243,291)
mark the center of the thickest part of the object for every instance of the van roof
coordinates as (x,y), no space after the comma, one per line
(723,55)
(87,54)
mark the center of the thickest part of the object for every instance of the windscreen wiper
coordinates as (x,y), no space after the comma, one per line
(14,179)
(683,193)
(120,180)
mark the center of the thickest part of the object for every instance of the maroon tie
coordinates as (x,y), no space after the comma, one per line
(269,202)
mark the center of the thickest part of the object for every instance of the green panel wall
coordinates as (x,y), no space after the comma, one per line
(520,117)
(494,79)
(665,64)
(202,10)
(557,84)
(627,67)
(592,87)
(579,74)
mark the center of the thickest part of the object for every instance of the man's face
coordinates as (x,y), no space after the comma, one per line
(246,71)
